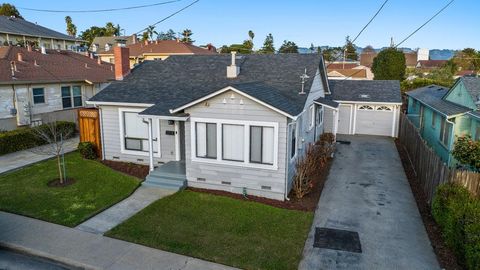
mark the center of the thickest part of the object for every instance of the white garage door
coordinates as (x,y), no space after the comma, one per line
(374,120)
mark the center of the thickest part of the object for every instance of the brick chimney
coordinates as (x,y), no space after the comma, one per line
(122,62)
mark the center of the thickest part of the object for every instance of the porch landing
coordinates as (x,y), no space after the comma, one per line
(170,176)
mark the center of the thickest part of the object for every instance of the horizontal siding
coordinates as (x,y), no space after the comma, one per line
(111,139)
(224,107)
(328,120)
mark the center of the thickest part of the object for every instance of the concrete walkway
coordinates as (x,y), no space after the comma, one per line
(23,158)
(90,251)
(367,192)
(123,210)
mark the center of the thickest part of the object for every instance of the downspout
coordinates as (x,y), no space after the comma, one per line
(451,139)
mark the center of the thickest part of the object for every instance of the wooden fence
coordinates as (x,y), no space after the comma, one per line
(431,171)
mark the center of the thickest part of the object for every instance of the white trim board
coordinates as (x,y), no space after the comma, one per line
(230,88)
(124,104)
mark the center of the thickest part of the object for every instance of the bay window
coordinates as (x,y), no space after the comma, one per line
(206,142)
(235,142)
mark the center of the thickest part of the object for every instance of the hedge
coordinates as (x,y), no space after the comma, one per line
(87,150)
(458,214)
(24,138)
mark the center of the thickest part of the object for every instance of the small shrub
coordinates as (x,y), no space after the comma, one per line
(87,150)
(457,212)
(315,158)
(467,152)
(24,138)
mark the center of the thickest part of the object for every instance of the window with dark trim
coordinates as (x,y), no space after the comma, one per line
(66,97)
(206,140)
(261,145)
(71,96)
(38,95)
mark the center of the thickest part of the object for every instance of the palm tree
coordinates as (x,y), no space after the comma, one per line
(71,28)
(151,31)
(187,33)
(251,34)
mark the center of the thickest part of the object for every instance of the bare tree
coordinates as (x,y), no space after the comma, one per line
(53,134)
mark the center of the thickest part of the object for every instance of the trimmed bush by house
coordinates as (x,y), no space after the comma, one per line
(87,150)
(24,138)
(458,214)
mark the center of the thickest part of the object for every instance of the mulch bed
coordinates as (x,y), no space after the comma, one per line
(307,203)
(136,170)
(56,182)
(445,255)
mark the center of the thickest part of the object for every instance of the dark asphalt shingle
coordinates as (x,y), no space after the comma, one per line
(179,80)
(365,90)
(22,27)
(432,96)
(328,102)
(473,86)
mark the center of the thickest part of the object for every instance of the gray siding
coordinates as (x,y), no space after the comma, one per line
(240,177)
(111,139)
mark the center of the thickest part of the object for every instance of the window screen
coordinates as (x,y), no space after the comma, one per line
(233,142)
(206,140)
(261,144)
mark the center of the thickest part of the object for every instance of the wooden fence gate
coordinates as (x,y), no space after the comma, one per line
(89,126)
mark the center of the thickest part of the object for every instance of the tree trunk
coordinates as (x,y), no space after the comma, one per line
(59,169)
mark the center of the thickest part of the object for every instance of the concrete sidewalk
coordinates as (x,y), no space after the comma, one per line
(87,250)
(23,158)
(106,220)
(368,193)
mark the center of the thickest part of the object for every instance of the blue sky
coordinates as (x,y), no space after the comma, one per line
(319,22)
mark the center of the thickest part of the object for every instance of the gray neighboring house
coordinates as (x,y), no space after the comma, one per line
(224,122)
(14,31)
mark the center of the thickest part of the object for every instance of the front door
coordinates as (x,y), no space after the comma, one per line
(344,119)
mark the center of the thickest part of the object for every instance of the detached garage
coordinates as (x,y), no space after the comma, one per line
(362,107)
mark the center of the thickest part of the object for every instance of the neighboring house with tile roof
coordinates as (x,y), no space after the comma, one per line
(237,123)
(101,45)
(157,50)
(15,31)
(39,85)
(444,114)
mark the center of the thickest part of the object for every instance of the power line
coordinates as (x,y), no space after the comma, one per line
(99,10)
(416,30)
(169,16)
(421,26)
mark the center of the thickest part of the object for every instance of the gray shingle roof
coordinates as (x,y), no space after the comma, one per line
(179,80)
(475,114)
(432,96)
(473,86)
(328,102)
(365,90)
(25,28)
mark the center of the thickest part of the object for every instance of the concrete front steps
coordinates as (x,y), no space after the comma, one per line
(165,180)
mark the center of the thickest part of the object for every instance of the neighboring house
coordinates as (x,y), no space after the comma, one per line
(157,50)
(368,54)
(431,64)
(224,122)
(443,114)
(15,31)
(38,85)
(348,70)
(104,44)
(370,107)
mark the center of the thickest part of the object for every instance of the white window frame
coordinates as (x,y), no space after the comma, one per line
(319,120)
(289,144)
(246,162)
(122,134)
(383,108)
(311,115)
(366,108)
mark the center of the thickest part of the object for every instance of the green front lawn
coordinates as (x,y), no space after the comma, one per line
(96,188)
(242,234)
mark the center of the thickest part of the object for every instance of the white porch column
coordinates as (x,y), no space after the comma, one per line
(150,143)
(177,141)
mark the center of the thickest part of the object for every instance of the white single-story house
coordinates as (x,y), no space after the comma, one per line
(224,122)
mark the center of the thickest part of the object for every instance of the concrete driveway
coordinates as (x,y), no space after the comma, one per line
(368,193)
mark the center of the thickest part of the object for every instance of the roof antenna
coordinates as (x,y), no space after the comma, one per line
(304,77)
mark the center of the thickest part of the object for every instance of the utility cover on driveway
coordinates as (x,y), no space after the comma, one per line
(337,240)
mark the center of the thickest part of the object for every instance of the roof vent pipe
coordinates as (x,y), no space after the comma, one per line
(233,70)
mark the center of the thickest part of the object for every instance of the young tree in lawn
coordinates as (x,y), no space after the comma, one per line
(389,64)
(54,135)
(288,47)
(9,10)
(71,28)
(268,46)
